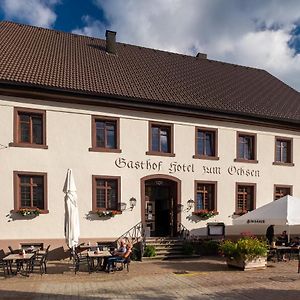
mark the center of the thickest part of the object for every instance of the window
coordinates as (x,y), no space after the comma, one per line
(106,193)
(30,190)
(283,151)
(206,143)
(160,139)
(29,128)
(282,190)
(105,134)
(205,195)
(246,147)
(245,198)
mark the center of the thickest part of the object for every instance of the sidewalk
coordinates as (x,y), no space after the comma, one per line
(205,278)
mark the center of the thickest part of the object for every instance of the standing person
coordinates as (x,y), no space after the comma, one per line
(270,234)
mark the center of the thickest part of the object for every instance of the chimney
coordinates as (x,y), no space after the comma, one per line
(111,42)
(201,55)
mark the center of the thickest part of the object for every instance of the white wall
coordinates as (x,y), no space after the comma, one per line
(69,137)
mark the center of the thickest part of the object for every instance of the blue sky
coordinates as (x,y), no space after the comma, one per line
(263,34)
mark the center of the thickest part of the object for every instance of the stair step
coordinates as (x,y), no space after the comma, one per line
(169,257)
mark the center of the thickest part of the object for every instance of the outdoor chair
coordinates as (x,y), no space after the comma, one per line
(3,263)
(125,262)
(12,251)
(39,260)
(79,260)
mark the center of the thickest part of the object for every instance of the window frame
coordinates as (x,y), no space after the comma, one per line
(215,184)
(237,211)
(284,186)
(17,199)
(206,129)
(94,147)
(16,130)
(94,192)
(158,153)
(281,163)
(243,160)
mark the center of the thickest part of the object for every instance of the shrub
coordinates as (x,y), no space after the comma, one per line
(246,248)
(149,251)
(209,247)
(188,249)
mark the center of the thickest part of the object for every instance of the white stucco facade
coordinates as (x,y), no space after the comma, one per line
(68,137)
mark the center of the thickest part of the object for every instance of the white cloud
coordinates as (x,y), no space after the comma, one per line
(253,33)
(33,12)
(93,27)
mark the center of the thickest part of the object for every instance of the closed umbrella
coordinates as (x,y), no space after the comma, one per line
(71,211)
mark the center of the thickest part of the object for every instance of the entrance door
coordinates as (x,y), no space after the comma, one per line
(161,207)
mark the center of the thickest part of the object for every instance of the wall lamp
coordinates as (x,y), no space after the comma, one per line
(132,202)
(190,204)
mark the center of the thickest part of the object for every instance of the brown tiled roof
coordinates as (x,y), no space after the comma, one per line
(52,59)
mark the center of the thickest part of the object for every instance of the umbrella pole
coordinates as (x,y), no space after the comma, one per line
(288,233)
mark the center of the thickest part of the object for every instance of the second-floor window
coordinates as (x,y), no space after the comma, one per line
(160,139)
(206,143)
(246,147)
(105,134)
(106,193)
(283,150)
(29,128)
(245,198)
(205,196)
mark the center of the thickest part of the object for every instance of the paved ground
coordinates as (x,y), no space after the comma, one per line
(189,279)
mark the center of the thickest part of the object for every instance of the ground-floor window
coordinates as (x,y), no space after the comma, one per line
(282,190)
(205,195)
(106,193)
(30,190)
(245,197)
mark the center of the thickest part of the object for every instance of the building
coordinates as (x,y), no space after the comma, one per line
(176,133)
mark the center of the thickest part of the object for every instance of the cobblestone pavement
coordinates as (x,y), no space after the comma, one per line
(189,279)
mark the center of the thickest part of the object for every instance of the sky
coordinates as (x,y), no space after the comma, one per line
(259,33)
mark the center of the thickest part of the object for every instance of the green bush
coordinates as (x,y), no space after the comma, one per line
(188,249)
(209,248)
(149,251)
(246,248)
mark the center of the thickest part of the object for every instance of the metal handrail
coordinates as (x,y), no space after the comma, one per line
(183,232)
(135,234)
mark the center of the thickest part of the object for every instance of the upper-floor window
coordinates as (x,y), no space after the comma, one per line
(105,134)
(282,190)
(106,193)
(246,147)
(206,143)
(283,151)
(160,139)
(205,195)
(245,197)
(30,190)
(29,128)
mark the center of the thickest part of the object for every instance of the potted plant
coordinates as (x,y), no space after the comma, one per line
(205,213)
(28,212)
(247,253)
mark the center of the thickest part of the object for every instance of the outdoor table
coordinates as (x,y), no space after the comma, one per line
(19,259)
(99,256)
(281,250)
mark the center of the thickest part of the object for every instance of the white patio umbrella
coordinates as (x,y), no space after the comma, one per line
(71,211)
(284,211)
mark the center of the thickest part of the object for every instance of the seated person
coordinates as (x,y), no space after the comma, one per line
(117,253)
(119,258)
(295,242)
(283,239)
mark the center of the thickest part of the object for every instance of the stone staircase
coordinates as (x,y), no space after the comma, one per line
(167,248)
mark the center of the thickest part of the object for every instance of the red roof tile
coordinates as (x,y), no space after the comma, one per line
(52,59)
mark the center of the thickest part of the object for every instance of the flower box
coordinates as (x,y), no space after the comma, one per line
(108,213)
(28,212)
(205,214)
(258,263)
(247,253)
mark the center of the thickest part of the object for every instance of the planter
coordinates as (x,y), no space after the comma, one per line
(258,263)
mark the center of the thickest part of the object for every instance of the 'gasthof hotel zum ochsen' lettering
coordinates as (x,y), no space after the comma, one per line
(175,167)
